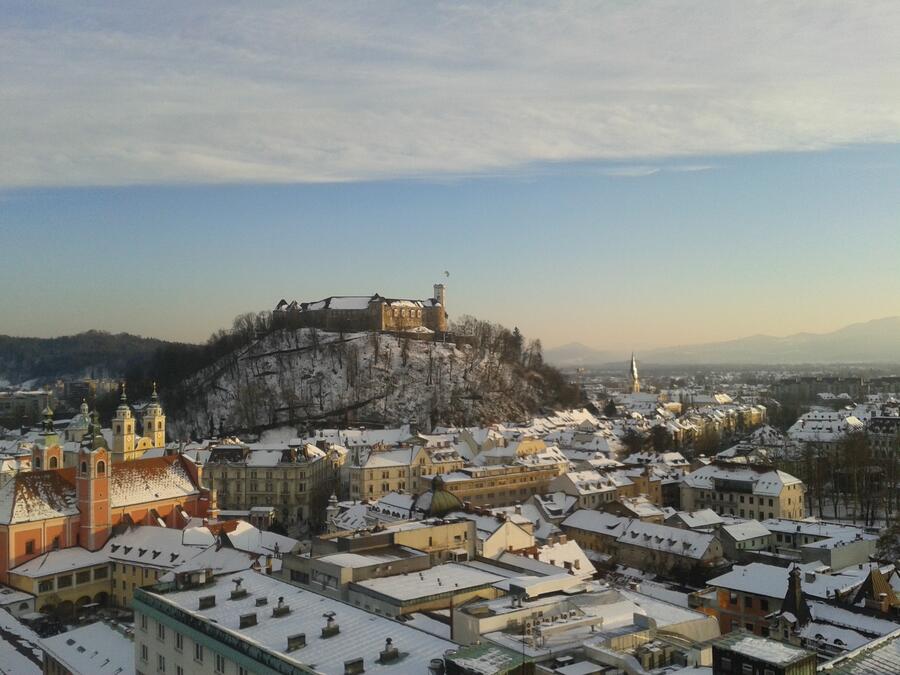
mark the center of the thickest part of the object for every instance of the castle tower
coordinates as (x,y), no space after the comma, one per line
(155,421)
(47,454)
(440,293)
(123,431)
(635,379)
(92,490)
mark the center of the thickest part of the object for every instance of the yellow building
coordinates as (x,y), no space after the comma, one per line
(497,485)
(752,491)
(127,445)
(64,581)
(296,481)
(373,475)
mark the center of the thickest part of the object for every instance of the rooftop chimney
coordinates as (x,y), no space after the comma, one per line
(247,620)
(331,628)
(295,642)
(390,653)
(354,667)
(281,609)
(238,591)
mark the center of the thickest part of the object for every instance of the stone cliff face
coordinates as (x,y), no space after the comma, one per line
(300,376)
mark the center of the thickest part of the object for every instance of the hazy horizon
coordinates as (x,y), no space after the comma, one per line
(623,176)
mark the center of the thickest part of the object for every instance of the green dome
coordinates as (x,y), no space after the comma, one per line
(438,501)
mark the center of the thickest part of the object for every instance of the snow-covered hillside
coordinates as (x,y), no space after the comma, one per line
(294,376)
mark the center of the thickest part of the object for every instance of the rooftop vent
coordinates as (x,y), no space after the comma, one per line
(281,609)
(238,591)
(295,642)
(247,620)
(207,601)
(331,628)
(390,653)
(354,667)
(260,602)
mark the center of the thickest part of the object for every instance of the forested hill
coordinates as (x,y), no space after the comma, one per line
(94,353)
(255,375)
(304,377)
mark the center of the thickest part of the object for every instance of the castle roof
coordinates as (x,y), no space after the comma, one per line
(353,302)
(41,495)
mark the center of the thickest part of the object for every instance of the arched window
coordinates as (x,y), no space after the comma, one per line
(84,467)
(101,467)
(54,463)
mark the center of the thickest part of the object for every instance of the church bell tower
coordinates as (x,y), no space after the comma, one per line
(155,421)
(123,430)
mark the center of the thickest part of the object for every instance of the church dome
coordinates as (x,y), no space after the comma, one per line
(437,501)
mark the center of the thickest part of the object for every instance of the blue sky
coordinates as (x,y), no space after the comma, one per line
(626,175)
(771,243)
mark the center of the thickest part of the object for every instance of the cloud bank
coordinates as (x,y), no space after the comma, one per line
(200,92)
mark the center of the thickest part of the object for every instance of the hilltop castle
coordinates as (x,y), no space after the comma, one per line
(367,313)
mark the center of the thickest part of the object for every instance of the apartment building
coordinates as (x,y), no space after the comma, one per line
(296,480)
(744,490)
(505,485)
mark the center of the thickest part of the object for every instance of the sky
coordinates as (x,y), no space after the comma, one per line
(625,175)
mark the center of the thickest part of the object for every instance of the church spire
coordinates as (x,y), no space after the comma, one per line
(635,378)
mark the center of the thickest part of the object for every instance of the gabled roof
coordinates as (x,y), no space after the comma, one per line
(41,495)
(147,480)
(38,495)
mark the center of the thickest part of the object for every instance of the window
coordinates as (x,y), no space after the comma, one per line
(747,669)
(220,663)
(160,631)
(732,598)
(101,467)
(726,664)
(143,622)
(144,655)
(84,468)
(56,543)
(64,581)
(748,602)
(179,641)
(29,547)
(179,670)
(45,586)
(764,604)
(161,663)
(198,653)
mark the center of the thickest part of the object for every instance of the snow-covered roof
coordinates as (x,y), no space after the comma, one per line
(95,648)
(770,651)
(141,481)
(772,581)
(749,529)
(764,480)
(700,518)
(38,495)
(362,634)
(20,647)
(599,522)
(448,578)
(62,560)
(667,539)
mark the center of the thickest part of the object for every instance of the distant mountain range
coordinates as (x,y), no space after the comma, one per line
(876,341)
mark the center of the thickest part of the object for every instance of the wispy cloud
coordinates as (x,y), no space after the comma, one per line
(216,92)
